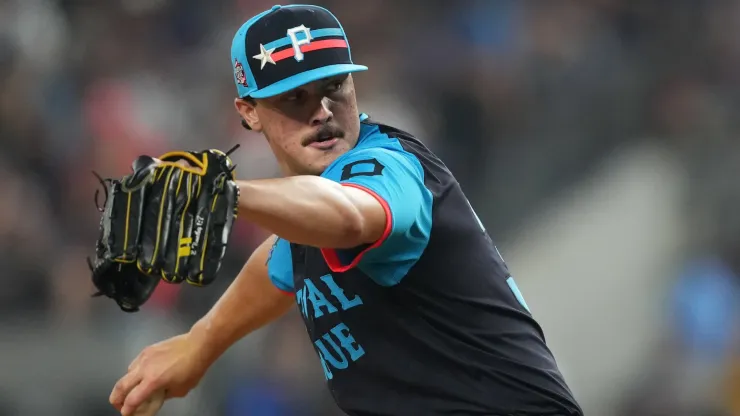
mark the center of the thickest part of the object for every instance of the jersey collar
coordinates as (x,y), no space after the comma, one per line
(366,130)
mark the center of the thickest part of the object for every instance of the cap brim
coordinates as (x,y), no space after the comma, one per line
(304,78)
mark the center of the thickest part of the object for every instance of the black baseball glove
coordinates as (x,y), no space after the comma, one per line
(170,219)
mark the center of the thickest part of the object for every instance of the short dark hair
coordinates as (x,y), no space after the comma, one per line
(253,102)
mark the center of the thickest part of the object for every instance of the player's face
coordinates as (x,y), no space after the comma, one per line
(310,126)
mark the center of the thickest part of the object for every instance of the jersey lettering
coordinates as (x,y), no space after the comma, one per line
(318,300)
(365,167)
(338,293)
(510,280)
(344,349)
(336,348)
(480,223)
(517,293)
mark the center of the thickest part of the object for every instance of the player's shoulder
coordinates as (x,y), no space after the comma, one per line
(378,146)
(437,177)
(375,134)
(408,145)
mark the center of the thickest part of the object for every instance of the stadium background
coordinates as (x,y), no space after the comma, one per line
(598,140)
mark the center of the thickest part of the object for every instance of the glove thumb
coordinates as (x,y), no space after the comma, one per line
(143,168)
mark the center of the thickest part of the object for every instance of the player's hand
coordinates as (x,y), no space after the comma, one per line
(174,365)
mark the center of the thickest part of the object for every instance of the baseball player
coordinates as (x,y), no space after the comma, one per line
(405,298)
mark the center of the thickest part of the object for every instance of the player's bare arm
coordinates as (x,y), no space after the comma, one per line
(251,302)
(314,211)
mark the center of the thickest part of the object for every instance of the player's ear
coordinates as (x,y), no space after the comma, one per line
(247,111)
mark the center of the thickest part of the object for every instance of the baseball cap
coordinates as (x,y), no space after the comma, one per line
(288,46)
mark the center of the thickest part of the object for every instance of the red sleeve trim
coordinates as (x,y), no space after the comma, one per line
(330,254)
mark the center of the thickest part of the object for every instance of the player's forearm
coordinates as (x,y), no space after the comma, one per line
(251,302)
(306,210)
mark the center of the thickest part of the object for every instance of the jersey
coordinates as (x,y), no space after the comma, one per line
(427,320)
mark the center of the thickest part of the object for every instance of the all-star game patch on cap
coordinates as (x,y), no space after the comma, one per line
(286,47)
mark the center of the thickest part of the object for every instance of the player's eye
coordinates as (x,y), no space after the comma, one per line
(335,86)
(294,96)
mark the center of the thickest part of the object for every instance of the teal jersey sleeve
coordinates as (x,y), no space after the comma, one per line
(280,265)
(396,179)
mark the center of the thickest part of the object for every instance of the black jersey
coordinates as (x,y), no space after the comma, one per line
(428,320)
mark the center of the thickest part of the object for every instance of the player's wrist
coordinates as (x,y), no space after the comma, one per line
(206,346)
(247,197)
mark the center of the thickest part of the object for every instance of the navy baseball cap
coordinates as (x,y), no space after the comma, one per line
(288,46)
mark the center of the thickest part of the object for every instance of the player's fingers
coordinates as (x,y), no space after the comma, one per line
(134,364)
(137,396)
(122,389)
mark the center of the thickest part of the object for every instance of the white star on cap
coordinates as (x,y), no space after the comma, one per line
(265,56)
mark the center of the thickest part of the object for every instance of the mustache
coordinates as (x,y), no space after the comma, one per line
(323,133)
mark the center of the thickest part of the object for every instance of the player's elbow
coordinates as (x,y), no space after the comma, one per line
(352,229)
(364,218)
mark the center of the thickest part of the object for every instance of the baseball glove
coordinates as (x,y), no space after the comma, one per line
(170,220)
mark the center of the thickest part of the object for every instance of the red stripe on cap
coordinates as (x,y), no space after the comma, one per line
(313,46)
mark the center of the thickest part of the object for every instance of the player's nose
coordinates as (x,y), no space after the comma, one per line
(322,114)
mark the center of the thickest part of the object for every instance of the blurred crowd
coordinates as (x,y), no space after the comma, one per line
(522,99)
